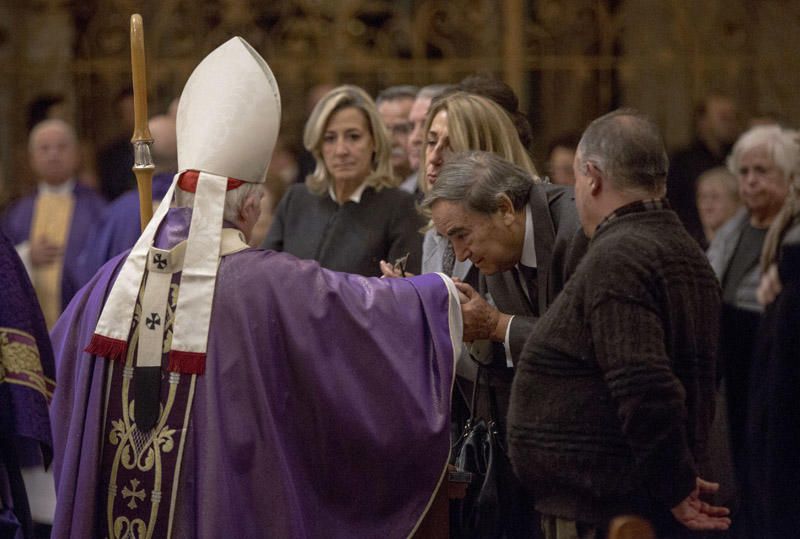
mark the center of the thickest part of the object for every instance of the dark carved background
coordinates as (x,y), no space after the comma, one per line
(570,60)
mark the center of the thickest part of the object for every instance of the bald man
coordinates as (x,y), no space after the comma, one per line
(121,226)
(49,228)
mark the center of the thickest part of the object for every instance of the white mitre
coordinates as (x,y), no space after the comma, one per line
(229,114)
(227,126)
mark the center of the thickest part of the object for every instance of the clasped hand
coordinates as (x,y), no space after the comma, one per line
(481,320)
(43,252)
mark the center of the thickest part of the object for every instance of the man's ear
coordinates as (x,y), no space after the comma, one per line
(596,178)
(506,209)
(251,208)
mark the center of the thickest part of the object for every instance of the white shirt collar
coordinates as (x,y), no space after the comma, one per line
(354,197)
(528,257)
(64,189)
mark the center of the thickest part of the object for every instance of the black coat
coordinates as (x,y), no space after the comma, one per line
(773,422)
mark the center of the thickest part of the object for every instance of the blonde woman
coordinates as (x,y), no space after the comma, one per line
(461,122)
(348,215)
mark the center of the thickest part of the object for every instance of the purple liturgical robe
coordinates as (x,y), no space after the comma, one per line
(89,207)
(27,375)
(323,410)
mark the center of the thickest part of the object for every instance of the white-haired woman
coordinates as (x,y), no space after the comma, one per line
(773,430)
(348,215)
(764,159)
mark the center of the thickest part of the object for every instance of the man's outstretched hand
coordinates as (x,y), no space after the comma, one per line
(696,514)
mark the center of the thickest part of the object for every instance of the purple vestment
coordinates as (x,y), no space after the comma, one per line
(120,228)
(27,375)
(87,214)
(323,410)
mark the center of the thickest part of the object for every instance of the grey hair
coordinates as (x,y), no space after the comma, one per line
(780,143)
(392,93)
(479,180)
(432,91)
(628,149)
(234,199)
(783,147)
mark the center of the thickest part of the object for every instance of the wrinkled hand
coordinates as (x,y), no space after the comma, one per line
(481,320)
(389,270)
(43,252)
(696,514)
(769,287)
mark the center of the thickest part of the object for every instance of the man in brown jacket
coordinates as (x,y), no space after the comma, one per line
(614,391)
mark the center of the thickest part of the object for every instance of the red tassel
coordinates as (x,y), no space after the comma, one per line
(113,349)
(187,362)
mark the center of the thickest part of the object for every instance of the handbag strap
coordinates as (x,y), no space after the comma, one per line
(473,407)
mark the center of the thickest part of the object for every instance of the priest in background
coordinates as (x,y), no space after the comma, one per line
(49,228)
(121,227)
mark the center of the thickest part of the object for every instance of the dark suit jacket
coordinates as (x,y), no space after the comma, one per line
(559,242)
(353,237)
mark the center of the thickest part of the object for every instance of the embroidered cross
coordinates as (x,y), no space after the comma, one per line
(160,261)
(153,320)
(133,493)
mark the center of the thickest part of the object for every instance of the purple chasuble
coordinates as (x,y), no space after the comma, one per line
(86,216)
(323,410)
(27,374)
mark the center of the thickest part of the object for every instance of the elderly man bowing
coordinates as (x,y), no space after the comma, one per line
(524,237)
(614,392)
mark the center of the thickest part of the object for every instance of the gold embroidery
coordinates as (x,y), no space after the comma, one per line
(133,529)
(20,363)
(133,493)
(142,452)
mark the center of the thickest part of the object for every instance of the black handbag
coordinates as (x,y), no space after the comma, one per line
(479,455)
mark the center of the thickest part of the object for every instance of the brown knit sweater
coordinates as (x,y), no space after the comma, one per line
(614,393)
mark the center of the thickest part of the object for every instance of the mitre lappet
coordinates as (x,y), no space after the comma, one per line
(227,127)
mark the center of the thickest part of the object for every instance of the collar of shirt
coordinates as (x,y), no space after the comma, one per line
(528,257)
(64,189)
(648,204)
(354,197)
(410,183)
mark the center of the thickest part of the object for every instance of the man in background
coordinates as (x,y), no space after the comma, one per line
(394,104)
(115,160)
(121,227)
(50,227)
(716,129)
